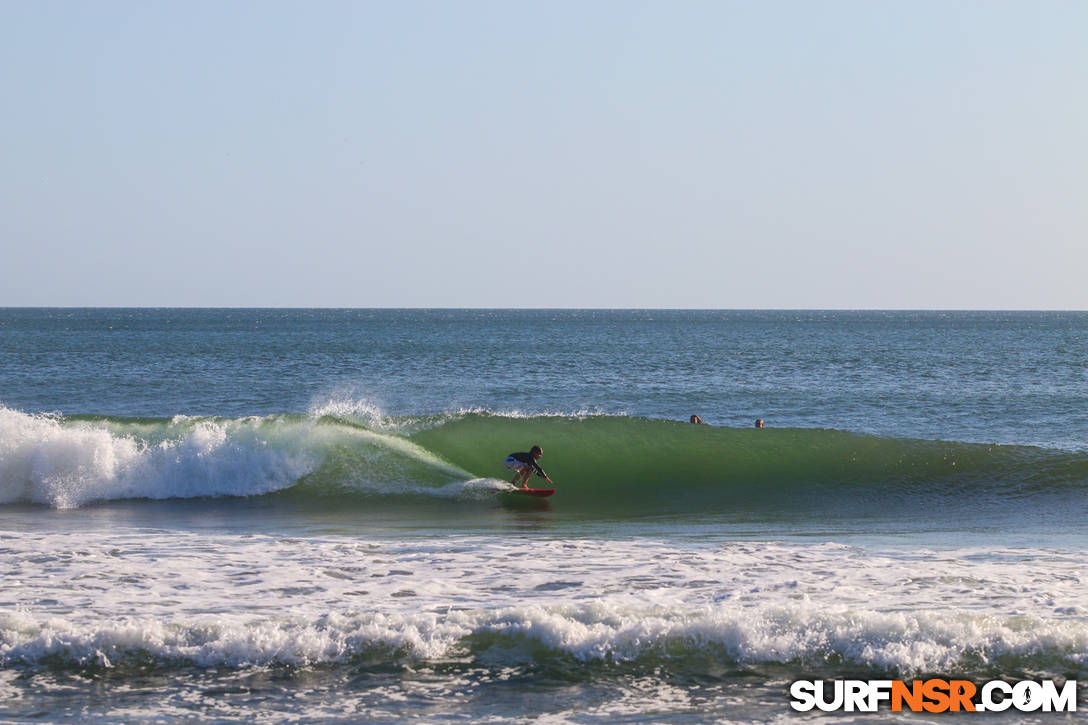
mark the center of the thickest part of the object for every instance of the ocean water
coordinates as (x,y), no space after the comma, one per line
(302,515)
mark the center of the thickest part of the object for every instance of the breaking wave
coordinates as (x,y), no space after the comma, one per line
(69,461)
(801,636)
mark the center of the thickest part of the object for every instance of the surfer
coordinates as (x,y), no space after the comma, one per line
(759,422)
(696,419)
(525,464)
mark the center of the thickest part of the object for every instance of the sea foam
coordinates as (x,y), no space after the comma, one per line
(799,634)
(169,599)
(45,459)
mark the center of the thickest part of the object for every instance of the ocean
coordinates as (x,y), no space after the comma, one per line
(272,515)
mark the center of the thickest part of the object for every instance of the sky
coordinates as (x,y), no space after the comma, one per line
(763,154)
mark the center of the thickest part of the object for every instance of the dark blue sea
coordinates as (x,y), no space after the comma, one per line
(235,515)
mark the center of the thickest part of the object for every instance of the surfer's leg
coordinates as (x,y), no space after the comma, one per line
(516,466)
(522,473)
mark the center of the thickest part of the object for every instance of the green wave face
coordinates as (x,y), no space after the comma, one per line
(606,459)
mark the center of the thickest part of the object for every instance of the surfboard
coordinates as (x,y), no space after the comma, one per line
(541,492)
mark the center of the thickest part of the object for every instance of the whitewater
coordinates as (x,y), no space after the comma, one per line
(302,515)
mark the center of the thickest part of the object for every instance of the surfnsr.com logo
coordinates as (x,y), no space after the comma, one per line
(933,695)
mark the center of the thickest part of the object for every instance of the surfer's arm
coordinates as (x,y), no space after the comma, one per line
(540,472)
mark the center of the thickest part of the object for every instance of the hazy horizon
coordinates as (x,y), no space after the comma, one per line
(543,309)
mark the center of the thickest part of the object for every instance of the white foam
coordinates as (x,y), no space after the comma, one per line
(62,464)
(908,643)
(474,489)
(580,414)
(346,404)
(237,601)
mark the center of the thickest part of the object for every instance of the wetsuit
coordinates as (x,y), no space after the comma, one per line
(526,459)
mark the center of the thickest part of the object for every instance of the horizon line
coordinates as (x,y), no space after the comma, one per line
(544,309)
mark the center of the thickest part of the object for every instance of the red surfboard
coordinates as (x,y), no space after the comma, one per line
(541,492)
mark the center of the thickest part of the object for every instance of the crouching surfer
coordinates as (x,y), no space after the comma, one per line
(526,464)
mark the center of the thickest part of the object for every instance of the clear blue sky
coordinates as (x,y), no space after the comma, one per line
(763,154)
